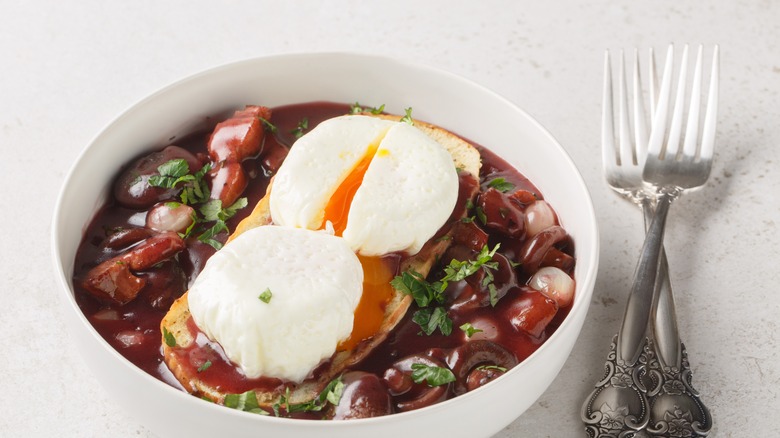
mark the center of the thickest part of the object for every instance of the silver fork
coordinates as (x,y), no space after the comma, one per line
(635,383)
(670,171)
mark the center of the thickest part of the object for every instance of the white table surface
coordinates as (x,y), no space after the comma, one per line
(68,68)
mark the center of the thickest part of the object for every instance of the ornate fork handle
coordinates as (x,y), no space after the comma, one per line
(675,406)
(618,406)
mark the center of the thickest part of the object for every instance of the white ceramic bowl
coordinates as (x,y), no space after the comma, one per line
(437,97)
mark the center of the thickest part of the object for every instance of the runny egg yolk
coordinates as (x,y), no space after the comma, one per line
(370,311)
(337,209)
(377,275)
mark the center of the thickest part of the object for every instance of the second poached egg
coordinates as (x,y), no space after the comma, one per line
(385,186)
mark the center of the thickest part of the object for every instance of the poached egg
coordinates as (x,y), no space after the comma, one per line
(385,186)
(310,283)
(372,187)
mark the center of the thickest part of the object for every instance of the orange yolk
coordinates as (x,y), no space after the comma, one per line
(337,210)
(370,311)
(377,275)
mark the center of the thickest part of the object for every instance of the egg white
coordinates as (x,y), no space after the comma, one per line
(317,164)
(315,281)
(407,193)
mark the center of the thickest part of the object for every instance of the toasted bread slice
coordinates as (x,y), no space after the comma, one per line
(466,159)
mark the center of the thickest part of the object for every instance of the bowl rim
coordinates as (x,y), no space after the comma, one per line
(65,281)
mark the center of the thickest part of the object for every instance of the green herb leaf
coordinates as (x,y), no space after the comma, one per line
(412,283)
(211,210)
(331,394)
(357,109)
(458,270)
(408,117)
(481,215)
(208,235)
(205,366)
(196,190)
(188,231)
(431,318)
(176,172)
(469,329)
(432,375)
(501,184)
(425,294)
(268,125)
(246,402)
(175,168)
(170,340)
(231,211)
(303,125)
(493,294)
(266,296)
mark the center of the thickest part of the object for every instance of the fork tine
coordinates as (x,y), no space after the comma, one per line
(608,155)
(626,146)
(655,145)
(653,94)
(711,116)
(640,120)
(692,129)
(673,141)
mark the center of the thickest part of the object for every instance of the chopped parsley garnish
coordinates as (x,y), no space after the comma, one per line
(213,211)
(303,125)
(414,284)
(205,366)
(266,296)
(469,329)
(171,173)
(501,184)
(195,190)
(177,171)
(432,375)
(424,293)
(430,296)
(268,125)
(170,340)
(331,394)
(431,318)
(208,235)
(458,270)
(246,402)
(481,215)
(408,117)
(357,109)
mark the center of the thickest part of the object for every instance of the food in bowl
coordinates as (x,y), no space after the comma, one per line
(478,293)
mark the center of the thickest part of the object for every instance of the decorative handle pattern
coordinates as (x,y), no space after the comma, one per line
(645,400)
(618,406)
(675,407)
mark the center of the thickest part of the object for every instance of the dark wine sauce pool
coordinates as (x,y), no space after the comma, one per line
(134,329)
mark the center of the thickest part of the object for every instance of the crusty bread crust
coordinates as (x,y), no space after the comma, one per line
(465,157)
